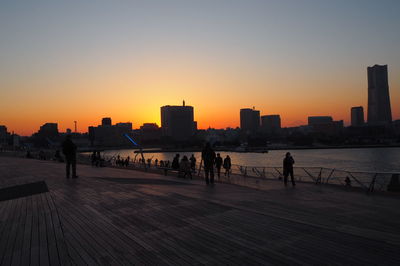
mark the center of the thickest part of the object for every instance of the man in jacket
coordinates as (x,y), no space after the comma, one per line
(288,169)
(208,156)
(69,150)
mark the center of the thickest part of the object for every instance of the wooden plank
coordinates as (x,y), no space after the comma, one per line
(35,240)
(17,249)
(51,239)
(13,226)
(26,247)
(62,249)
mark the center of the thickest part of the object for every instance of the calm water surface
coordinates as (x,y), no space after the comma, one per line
(368,159)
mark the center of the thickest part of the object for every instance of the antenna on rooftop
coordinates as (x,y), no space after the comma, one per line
(75,126)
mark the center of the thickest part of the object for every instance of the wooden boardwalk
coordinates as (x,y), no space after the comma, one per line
(122,217)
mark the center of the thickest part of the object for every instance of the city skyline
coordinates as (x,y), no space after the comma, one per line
(66,62)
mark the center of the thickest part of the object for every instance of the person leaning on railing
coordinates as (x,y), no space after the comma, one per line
(288,163)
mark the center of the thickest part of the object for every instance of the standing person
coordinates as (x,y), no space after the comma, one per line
(175,162)
(218,164)
(185,167)
(192,163)
(227,165)
(208,156)
(69,150)
(288,168)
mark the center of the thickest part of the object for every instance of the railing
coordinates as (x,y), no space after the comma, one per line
(368,181)
(260,176)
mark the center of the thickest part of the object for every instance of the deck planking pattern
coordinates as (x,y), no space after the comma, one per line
(122,217)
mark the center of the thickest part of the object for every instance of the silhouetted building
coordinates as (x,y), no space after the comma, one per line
(48,130)
(108,135)
(249,121)
(127,125)
(317,120)
(106,121)
(325,125)
(379,111)
(150,132)
(357,116)
(177,122)
(271,124)
(3,135)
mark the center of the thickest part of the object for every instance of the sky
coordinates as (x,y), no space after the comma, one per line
(66,61)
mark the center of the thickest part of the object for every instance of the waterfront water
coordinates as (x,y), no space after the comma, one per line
(365,159)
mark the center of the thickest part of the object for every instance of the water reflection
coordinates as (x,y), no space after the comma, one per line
(368,159)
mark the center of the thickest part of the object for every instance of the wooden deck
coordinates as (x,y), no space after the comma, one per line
(123,217)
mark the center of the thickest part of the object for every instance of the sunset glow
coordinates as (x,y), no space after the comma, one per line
(81,61)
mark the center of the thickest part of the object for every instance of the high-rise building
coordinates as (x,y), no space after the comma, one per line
(106,121)
(379,111)
(271,124)
(249,121)
(357,116)
(177,122)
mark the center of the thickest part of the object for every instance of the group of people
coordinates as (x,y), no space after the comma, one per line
(96,159)
(122,162)
(211,160)
(185,166)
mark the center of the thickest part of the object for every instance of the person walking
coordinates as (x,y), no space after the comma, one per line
(227,165)
(218,165)
(175,162)
(69,150)
(208,156)
(288,169)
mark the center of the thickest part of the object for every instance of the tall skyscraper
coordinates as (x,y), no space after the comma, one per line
(177,122)
(379,111)
(357,116)
(249,121)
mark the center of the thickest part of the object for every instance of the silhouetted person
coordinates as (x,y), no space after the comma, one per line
(192,163)
(208,156)
(227,165)
(98,159)
(218,164)
(69,150)
(156,162)
(93,158)
(185,167)
(175,162)
(288,168)
(347,181)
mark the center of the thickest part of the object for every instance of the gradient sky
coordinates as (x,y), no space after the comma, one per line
(62,61)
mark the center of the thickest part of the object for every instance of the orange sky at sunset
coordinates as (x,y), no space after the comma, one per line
(137,96)
(67,61)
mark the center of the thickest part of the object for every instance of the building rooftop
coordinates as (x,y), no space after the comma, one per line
(116,216)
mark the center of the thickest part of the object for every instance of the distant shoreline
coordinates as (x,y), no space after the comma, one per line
(232,149)
(155,150)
